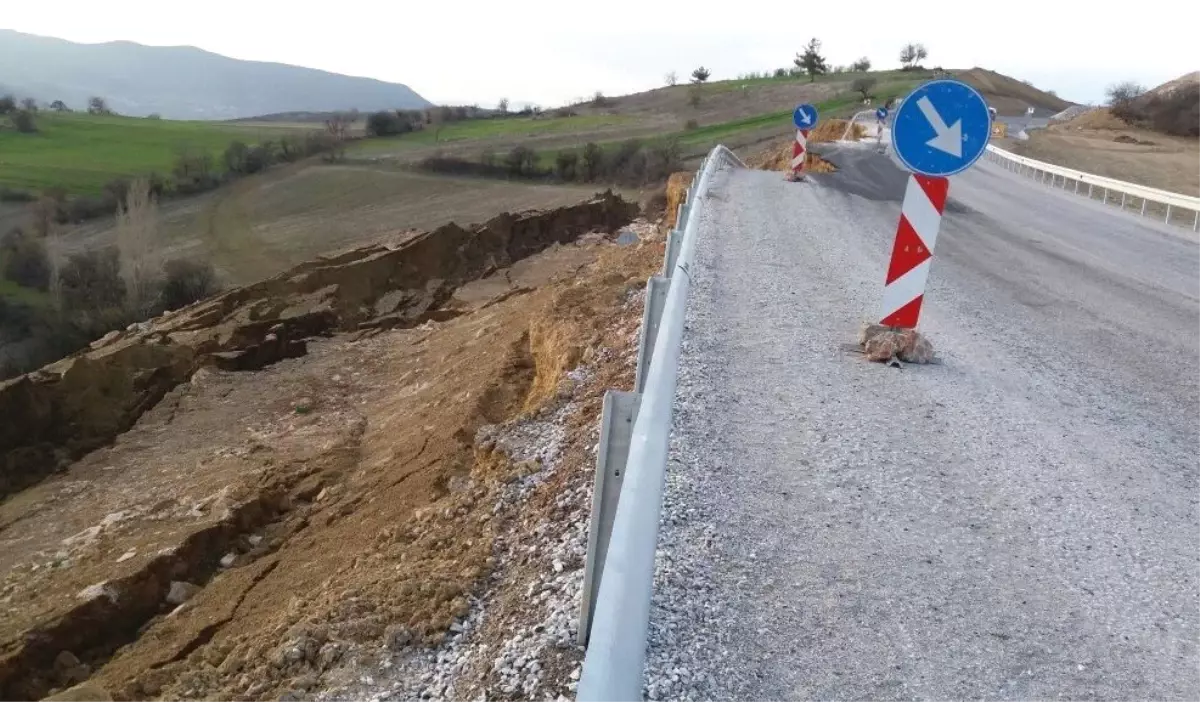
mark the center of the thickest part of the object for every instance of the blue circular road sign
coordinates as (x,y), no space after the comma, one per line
(941,128)
(805,116)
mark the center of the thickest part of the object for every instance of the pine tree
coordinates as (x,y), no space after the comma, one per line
(811,61)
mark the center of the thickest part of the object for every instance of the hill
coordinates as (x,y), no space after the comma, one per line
(1183,82)
(1011,96)
(182,82)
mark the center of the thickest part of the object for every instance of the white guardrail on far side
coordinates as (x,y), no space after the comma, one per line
(631,463)
(1170,206)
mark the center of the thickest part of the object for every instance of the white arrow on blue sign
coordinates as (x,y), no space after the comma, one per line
(881,113)
(805,116)
(941,128)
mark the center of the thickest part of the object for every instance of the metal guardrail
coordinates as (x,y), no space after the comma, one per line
(1130,192)
(631,466)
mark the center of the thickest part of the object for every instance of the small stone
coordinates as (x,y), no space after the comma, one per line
(398,637)
(228,559)
(181,592)
(85,692)
(254,539)
(127,555)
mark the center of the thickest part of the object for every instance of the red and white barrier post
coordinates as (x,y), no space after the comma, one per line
(912,254)
(798,150)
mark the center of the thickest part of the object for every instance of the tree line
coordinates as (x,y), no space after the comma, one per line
(812,63)
(633,163)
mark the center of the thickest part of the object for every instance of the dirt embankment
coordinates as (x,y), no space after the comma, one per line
(82,402)
(247,530)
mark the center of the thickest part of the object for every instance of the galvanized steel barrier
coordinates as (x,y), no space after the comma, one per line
(631,463)
(1166,201)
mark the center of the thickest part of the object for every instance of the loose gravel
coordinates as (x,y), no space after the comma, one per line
(1017,521)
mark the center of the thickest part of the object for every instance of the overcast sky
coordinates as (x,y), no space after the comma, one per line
(551,51)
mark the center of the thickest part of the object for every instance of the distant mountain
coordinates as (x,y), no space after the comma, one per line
(181,82)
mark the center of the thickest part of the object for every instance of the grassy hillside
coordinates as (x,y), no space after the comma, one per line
(80,152)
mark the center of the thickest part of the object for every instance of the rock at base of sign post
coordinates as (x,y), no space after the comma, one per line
(794,177)
(891,345)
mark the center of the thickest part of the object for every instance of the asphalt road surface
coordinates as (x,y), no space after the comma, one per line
(1018,521)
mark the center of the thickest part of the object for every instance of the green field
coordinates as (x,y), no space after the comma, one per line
(80,152)
(488,129)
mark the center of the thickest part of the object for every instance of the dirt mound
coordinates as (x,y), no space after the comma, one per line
(1099,118)
(834,129)
(778,157)
(82,402)
(329,499)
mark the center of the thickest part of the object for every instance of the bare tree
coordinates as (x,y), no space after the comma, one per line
(137,229)
(671,78)
(29,105)
(502,106)
(337,127)
(912,55)
(862,65)
(1124,92)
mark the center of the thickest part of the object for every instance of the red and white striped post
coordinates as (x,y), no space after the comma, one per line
(798,150)
(912,254)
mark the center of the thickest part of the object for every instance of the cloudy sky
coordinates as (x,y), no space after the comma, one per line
(552,51)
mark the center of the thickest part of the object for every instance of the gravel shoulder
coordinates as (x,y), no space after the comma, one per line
(1016,522)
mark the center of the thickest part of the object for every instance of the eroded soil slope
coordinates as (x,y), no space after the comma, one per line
(307,486)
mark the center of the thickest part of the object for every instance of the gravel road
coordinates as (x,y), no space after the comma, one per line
(1018,521)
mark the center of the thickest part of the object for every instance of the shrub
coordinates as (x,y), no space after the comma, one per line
(780,73)
(592,162)
(23,122)
(8,194)
(861,65)
(26,261)
(382,123)
(185,282)
(235,157)
(690,125)
(521,161)
(8,103)
(566,165)
(91,281)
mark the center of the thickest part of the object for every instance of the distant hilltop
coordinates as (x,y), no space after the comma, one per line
(182,82)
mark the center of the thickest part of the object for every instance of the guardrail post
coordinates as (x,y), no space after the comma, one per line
(1076,186)
(1143,207)
(1089,191)
(1168,217)
(616,428)
(1196,222)
(1106,196)
(671,253)
(656,297)
(1122,202)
